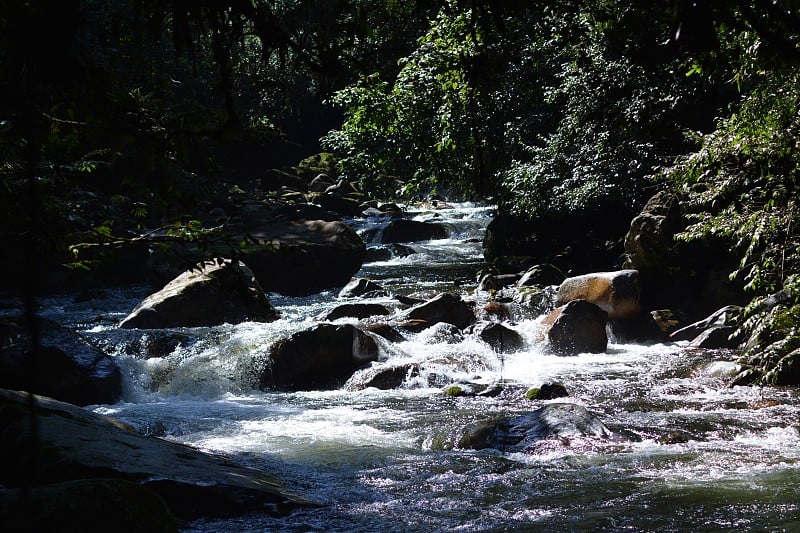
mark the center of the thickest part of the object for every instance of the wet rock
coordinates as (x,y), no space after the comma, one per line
(214,292)
(495,311)
(727,316)
(642,329)
(402,230)
(442,333)
(67,367)
(359,287)
(501,338)
(495,282)
(548,391)
(413,326)
(715,337)
(577,327)
(386,331)
(617,292)
(520,434)
(386,252)
(541,275)
(339,204)
(443,308)
(355,311)
(322,357)
(76,444)
(382,377)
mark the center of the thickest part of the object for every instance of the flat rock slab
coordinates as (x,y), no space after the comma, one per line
(77,444)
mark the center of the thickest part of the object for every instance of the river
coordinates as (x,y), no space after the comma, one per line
(698,455)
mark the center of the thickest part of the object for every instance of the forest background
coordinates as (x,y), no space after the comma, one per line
(118,117)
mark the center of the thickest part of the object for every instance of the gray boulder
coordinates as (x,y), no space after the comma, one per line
(402,230)
(212,293)
(562,421)
(322,357)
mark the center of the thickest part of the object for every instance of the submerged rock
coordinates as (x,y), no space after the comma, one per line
(520,434)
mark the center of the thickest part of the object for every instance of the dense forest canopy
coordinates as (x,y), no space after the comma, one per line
(542,107)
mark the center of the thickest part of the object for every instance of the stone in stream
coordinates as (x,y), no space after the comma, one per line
(577,327)
(76,445)
(382,377)
(322,357)
(214,292)
(443,308)
(501,338)
(360,287)
(561,421)
(617,293)
(360,311)
(402,230)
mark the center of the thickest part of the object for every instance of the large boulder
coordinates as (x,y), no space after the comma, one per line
(692,276)
(562,421)
(580,240)
(305,257)
(617,293)
(577,327)
(322,357)
(66,366)
(75,444)
(403,230)
(214,292)
(649,243)
(443,308)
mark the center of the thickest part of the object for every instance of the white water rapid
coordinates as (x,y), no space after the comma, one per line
(698,455)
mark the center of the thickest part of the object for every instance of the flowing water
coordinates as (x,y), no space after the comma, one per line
(696,454)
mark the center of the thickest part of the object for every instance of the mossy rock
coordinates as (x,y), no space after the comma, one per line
(321,163)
